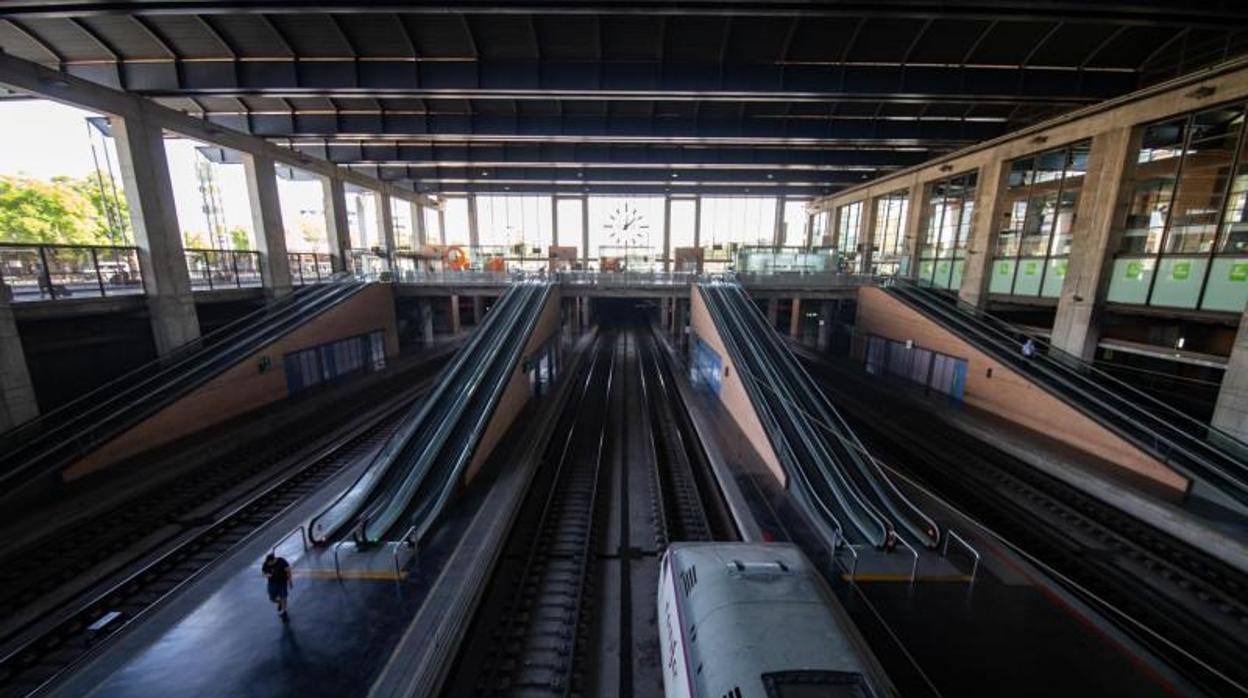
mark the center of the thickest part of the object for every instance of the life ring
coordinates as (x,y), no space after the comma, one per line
(456,258)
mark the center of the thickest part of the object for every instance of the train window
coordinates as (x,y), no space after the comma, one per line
(816,684)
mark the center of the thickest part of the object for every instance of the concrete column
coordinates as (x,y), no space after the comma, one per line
(336,228)
(474,236)
(554,220)
(826,318)
(777,232)
(975,275)
(266,221)
(476,310)
(454,314)
(442,223)
(586,313)
(17,393)
(149,192)
(585,234)
(1076,326)
(866,235)
(426,321)
(1231,412)
(773,311)
(667,233)
(679,320)
(385,225)
(697,225)
(795,319)
(914,234)
(419,235)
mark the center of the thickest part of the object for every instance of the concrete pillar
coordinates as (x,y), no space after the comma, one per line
(1076,326)
(149,192)
(385,225)
(975,275)
(585,234)
(826,318)
(773,312)
(426,321)
(476,310)
(679,313)
(667,233)
(336,228)
(866,235)
(17,393)
(586,313)
(1231,411)
(266,221)
(474,230)
(777,231)
(914,233)
(419,235)
(454,314)
(795,319)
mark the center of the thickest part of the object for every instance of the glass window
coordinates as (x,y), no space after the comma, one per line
(1185,199)
(401,219)
(302,198)
(1034,233)
(362,218)
(796,223)
(626,232)
(949,210)
(210,195)
(517,226)
(888,240)
(684,223)
(570,222)
(455,215)
(848,223)
(433,225)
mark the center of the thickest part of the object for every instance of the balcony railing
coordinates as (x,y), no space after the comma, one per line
(55,272)
(212,270)
(310,267)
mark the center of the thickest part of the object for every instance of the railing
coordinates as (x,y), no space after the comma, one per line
(310,267)
(620,279)
(219,269)
(369,265)
(54,272)
(803,279)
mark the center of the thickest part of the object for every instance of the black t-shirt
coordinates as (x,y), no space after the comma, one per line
(277,570)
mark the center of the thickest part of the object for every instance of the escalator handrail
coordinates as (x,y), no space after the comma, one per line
(927,532)
(33,453)
(422,527)
(1129,426)
(389,507)
(366,482)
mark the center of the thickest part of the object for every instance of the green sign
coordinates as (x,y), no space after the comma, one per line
(1059,269)
(1181,271)
(1003,268)
(1031,268)
(1239,272)
(1135,270)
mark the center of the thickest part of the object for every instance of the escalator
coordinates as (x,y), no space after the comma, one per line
(53,440)
(1212,458)
(838,480)
(410,481)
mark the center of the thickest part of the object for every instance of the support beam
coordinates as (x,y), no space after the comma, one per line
(585,237)
(476,310)
(795,319)
(455,315)
(17,393)
(667,233)
(826,318)
(418,224)
(1076,326)
(474,235)
(266,218)
(385,223)
(773,312)
(336,228)
(777,232)
(426,321)
(914,233)
(154,219)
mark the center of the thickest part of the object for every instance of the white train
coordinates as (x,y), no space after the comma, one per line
(745,620)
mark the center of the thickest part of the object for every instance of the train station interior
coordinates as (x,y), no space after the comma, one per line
(733,349)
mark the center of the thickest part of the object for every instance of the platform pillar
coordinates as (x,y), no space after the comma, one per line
(586,319)
(385,225)
(454,315)
(337,231)
(476,310)
(1076,325)
(975,277)
(795,319)
(773,312)
(266,221)
(154,219)
(426,321)
(17,393)
(826,316)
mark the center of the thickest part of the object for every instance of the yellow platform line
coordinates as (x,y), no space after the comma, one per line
(386,575)
(865,577)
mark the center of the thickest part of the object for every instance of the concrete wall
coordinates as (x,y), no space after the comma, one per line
(1007,393)
(732,391)
(518,391)
(243,387)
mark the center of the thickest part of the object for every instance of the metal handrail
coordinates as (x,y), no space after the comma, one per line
(407,539)
(303,538)
(337,565)
(914,569)
(951,534)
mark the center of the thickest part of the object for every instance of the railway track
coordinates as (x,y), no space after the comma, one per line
(1184,605)
(53,642)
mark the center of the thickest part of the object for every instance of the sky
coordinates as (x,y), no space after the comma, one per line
(43,139)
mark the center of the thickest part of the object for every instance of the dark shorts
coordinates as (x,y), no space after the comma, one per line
(277,590)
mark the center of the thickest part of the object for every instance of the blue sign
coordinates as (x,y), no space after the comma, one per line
(706,368)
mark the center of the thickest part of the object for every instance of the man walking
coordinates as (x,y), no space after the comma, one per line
(277,571)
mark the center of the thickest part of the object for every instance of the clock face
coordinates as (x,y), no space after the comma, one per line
(626,226)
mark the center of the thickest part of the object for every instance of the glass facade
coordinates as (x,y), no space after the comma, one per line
(819,229)
(1033,240)
(796,223)
(848,223)
(455,212)
(1184,241)
(362,218)
(626,232)
(888,239)
(949,209)
(302,198)
(570,223)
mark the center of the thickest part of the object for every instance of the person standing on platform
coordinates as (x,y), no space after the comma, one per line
(277,571)
(1029,349)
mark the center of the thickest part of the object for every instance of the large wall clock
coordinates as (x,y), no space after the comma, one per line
(626,226)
